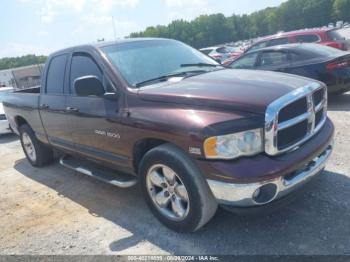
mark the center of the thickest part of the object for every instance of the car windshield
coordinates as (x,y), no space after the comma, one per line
(141,61)
(3,93)
(320,50)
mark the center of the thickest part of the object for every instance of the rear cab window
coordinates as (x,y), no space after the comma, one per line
(56,75)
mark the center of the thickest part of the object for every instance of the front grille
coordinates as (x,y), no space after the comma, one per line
(294,118)
(2,117)
(293,110)
(290,136)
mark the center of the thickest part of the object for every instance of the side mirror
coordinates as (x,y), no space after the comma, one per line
(88,86)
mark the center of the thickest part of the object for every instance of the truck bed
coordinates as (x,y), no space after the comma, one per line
(22,105)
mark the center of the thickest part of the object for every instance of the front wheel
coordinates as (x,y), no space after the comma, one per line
(36,152)
(175,190)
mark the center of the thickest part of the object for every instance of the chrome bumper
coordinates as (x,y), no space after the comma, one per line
(257,194)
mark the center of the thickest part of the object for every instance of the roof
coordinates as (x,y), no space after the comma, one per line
(296,32)
(284,47)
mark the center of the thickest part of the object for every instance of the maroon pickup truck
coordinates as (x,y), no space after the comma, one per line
(192,133)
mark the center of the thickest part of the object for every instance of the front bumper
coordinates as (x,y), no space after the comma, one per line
(4,127)
(256,194)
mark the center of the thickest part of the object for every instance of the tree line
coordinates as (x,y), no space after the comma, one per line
(12,62)
(208,30)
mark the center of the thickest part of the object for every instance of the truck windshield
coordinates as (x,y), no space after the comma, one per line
(140,61)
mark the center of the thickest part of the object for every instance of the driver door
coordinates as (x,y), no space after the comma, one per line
(94,121)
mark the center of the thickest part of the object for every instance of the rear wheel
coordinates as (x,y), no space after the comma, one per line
(36,152)
(175,190)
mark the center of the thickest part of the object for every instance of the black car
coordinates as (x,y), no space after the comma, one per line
(323,63)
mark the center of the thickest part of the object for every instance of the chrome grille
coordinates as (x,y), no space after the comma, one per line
(294,118)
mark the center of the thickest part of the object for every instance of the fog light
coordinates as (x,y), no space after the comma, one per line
(256,193)
(265,193)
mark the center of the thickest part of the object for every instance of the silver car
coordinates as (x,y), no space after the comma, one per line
(4,124)
(219,53)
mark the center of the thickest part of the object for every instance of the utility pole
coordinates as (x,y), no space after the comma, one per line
(114,30)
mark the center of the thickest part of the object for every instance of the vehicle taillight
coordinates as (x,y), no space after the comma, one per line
(337,65)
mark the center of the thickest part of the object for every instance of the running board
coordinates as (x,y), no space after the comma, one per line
(103,174)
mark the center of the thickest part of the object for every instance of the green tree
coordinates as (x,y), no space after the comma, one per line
(341,10)
(12,62)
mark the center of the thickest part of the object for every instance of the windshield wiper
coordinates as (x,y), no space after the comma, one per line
(166,77)
(199,64)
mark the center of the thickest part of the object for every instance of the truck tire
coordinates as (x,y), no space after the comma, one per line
(36,152)
(175,190)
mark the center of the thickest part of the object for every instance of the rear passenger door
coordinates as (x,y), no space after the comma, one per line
(273,61)
(53,103)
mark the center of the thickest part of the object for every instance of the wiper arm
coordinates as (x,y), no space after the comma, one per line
(199,64)
(160,78)
(166,77)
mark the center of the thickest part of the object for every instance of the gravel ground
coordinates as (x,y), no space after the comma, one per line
(53,210)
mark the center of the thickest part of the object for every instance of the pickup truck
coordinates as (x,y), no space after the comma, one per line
(193,134)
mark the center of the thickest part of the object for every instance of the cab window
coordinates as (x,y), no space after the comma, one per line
(307,38)
(56,74)
(273,58)
(246,62)
(83,65)
(258,46)
(278,41)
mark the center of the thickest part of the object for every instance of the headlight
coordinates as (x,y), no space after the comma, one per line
(231,146)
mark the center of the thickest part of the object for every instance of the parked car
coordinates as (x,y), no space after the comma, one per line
(194,134)
(323,63)
(327,37)
(221,53)
(4,124)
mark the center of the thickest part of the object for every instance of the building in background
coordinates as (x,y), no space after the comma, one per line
(22,77)
(6,78)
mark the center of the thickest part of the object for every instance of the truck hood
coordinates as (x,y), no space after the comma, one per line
(240,90)
(1,109)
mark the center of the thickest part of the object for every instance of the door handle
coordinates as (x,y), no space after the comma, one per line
(72,109)
(44,106)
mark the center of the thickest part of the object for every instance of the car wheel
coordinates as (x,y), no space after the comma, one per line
(36,152)
(175,190)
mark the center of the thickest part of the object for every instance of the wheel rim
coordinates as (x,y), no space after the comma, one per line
(29,147)
(168,193)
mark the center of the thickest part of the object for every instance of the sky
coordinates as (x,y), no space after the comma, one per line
(43,26)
